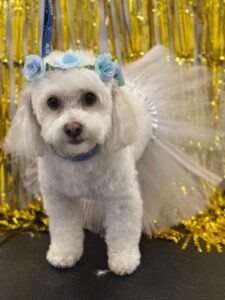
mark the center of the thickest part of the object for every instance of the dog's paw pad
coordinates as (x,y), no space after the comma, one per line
(62,259)
(124,263)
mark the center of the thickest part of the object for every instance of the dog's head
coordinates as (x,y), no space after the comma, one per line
(71,111)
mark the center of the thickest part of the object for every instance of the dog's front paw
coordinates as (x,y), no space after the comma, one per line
(63,258)
(124,262)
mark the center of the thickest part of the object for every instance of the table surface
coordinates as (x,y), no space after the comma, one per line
(166,272)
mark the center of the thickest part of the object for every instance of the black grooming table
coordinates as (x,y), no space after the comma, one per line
(166,272)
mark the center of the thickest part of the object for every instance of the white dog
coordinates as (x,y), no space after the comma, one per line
(103,154)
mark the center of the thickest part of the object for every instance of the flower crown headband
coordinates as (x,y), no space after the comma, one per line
(35,67)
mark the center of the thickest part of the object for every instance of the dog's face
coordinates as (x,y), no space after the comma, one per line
(73,108)
(71,111)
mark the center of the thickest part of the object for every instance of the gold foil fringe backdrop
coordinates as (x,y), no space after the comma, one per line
(193,31)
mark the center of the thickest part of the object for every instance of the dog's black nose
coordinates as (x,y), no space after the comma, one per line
(73,129)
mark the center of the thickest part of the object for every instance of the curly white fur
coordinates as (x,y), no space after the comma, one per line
(117,122)
(103,192)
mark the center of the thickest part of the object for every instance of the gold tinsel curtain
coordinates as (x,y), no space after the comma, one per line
(194,31)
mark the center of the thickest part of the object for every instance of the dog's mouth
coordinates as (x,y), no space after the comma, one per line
(76,141)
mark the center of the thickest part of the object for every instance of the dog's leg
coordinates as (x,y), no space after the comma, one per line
(124,226)
(66,232)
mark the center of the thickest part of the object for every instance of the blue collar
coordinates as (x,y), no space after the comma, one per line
(80,157)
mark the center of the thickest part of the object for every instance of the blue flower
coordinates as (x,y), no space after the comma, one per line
(105,67)
(69,60)
(118,76)
(34,67)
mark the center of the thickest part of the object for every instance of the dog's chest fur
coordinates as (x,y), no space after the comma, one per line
(90,179)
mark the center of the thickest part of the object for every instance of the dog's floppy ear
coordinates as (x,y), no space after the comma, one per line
(125,123)
(23,138)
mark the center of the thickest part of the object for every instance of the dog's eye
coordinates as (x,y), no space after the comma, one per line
(89,99)
(53,102)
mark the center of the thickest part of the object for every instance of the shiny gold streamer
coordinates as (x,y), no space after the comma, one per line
(110,27)
(15,220)
(3,46)
(192,30)
(207,227)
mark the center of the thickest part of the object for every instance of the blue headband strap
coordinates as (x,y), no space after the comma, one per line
(47,29)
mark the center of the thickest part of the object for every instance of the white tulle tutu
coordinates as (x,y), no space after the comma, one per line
(179,168)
